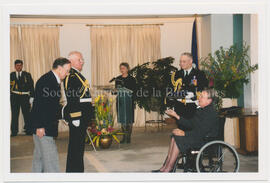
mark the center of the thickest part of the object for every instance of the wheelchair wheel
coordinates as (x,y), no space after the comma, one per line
(217,156)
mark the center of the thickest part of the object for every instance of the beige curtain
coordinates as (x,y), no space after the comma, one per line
(40,47)
(111,45)
(37,46)
(15,46)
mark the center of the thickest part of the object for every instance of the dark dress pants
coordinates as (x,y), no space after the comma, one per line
(76,147)
(17,102)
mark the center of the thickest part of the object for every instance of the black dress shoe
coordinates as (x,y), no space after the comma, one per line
(158,171)
(180,166)
(124,140)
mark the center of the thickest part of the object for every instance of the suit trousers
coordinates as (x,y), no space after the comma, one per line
(45,157)
(76,147)
(17,102)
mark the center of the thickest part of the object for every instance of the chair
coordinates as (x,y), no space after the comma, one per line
(213,156)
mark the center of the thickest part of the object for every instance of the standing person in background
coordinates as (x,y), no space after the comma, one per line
(21,96)
(78,112)
(126,116)
(45,116)
(187,81)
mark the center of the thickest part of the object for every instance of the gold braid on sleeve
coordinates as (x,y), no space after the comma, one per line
(172,78)
(176,84)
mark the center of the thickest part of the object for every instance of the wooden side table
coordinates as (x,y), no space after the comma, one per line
(248,128)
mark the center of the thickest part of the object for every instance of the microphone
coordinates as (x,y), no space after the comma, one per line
(112,79)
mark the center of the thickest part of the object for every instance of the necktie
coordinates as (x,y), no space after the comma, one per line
(19,76)
(186,74)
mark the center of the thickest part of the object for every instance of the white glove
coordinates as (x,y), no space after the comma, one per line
(76,122)
(31,99)
(189,95)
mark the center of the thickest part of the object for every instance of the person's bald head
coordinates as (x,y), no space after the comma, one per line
(76,59)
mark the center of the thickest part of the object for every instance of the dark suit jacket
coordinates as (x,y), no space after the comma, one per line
(74,90)
(188,83)
(46,108)
(25,84)
(203,123)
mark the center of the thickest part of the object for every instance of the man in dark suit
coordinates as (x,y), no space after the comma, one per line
(188,82)
(203,123)
(78,112)
(21,96)
(44,117)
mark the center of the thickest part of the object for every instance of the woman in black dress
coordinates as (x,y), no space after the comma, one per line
(203,123)
(125,106)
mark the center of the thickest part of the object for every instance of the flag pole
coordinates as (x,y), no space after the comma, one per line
(196,16)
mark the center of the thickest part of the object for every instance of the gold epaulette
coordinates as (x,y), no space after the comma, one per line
(66,82)
(67,78)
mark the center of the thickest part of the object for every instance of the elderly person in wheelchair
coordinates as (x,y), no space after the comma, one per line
(203,123)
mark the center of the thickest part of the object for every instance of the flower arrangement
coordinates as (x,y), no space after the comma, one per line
(228,69)
(104,121)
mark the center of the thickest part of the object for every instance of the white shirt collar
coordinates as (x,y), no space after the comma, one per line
(189,70)
(57,78)
(17,74)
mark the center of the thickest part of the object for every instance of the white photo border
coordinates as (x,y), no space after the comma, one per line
(129,8)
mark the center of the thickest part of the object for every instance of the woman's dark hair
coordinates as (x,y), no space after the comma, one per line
(60,62)
(18,62)
(125,64)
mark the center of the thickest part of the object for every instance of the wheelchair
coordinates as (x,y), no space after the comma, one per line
(214,156)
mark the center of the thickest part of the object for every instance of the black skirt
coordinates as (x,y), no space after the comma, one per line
(185,143)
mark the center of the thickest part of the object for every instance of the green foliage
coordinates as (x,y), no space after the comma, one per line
(228,69)
(153,78)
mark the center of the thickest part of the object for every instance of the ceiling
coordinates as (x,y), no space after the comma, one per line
(102,17)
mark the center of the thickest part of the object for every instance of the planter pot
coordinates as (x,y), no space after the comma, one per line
(105,142)
(231,128)
(229,102)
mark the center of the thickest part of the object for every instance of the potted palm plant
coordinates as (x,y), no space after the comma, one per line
(228,70)
(153,78)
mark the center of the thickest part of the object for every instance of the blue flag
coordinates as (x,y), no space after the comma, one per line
(194,45)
